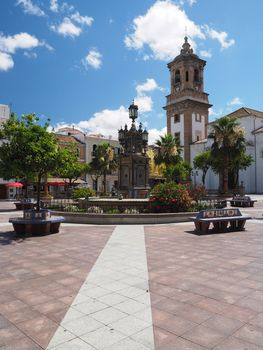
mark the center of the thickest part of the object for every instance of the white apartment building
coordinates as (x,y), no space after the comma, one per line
(4,113)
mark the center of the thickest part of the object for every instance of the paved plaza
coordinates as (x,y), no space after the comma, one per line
(132,287)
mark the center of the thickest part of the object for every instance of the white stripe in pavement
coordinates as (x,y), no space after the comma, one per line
(112,310)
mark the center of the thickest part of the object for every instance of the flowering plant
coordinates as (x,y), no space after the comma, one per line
(198,192)
(170,197)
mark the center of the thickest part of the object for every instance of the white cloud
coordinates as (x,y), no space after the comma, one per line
(107,122)
(162,29)
(206,53)
(67,28)
(149,85)
(54,5)
(30,8)
(144,103)
(221,37)
(154,135)
(189,2)
(93,59)
(30,54)
(65,7)
(18,41)
(23,41)
(6,61)
(214,113)
(236,101)
(85,20)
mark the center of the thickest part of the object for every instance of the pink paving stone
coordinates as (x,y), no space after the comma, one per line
(35,305)
(251,334)
(221,273)
(232,343)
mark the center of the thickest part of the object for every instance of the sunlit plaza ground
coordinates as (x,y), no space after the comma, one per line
(132,287)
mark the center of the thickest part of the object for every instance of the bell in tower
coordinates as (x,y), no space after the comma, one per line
(187,104)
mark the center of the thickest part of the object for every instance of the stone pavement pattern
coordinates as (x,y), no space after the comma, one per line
(206,292)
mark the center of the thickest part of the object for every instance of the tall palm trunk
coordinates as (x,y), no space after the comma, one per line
(104,182)
(225,175)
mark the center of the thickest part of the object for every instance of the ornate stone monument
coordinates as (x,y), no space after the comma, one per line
(133,162)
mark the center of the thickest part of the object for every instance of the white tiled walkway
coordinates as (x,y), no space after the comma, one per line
(112,310)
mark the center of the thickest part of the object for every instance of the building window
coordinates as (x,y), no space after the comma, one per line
(198,136)
(177,78)
(198,117)
(261,153)
(186,76)
(177,137)
(196,75)
(177,118)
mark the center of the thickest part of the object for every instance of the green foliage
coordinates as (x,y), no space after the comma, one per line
(104,162)
(170,197)
(178,172)
(228,149)
(28,150)
(82,192)
(168,151)
(69,165)
(203,162)
(167,154)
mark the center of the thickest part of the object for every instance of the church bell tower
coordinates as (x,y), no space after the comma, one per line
(187,105)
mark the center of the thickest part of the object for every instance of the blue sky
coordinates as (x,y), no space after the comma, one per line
(82,62)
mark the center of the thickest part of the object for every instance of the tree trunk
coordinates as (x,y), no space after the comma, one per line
(104,182)
(225,175)
(38,191)
(45,186)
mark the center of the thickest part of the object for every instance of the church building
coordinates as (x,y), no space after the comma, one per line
(187,110)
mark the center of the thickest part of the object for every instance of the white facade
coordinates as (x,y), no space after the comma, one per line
(198,127)
(252,123)
(91,142)
(4,113)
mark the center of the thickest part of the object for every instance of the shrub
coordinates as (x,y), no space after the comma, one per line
(131,211)
(170,197)
(71,208)
(198,192)
(82,192)
(95,210)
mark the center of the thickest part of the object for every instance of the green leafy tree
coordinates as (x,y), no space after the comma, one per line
(178,172)
(228,148)
(168,150)
(168,155)
(202,161)
(70,168)
(103,163)
(28,150)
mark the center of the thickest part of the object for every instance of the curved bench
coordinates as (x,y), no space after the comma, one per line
(40,227)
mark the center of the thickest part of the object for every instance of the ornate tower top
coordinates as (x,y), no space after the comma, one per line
(186,48)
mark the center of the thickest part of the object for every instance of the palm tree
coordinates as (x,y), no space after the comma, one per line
(168,151)
(228,145)
(104,162)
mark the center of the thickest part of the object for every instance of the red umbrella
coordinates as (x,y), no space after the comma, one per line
(14,184)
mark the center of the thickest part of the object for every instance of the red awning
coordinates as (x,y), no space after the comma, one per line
(14,184)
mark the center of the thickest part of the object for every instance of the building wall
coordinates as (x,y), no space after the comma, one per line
(91,141)
(4,113)
(198,127)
